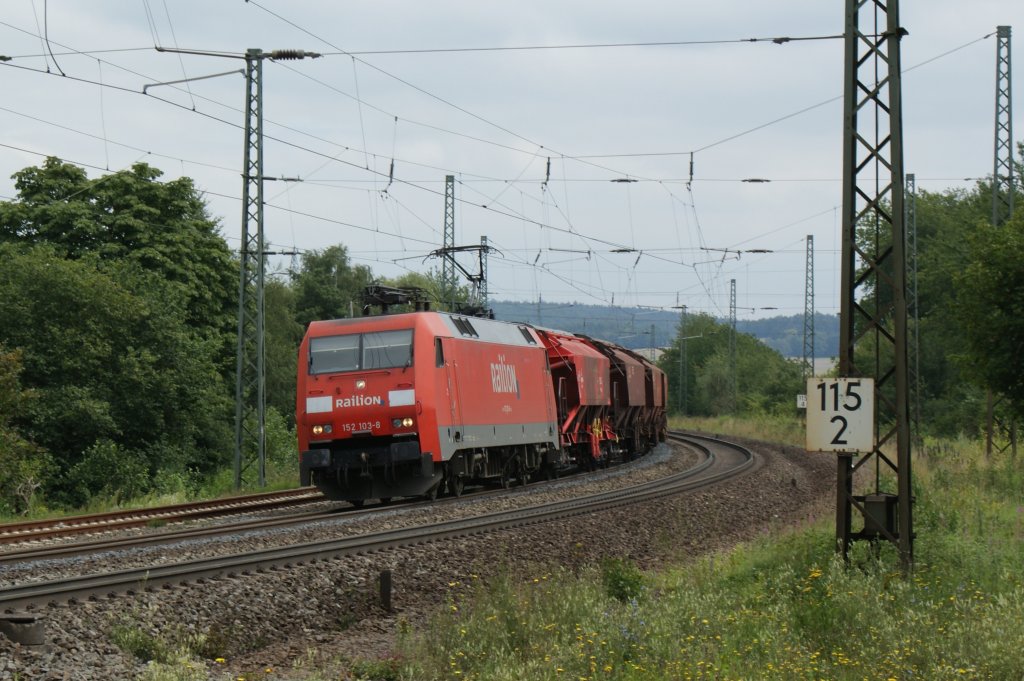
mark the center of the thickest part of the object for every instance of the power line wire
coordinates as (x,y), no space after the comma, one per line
(487,207)
(584,46)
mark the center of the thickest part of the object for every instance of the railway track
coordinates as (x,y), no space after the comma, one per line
(721,460)
(118,520)
(89,546)
(86,547)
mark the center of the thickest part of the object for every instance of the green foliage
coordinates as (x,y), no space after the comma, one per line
(110,364)
(622,579)
(144,645)
(433,286)
(958,259)
(328,286)
(23,465)
(991,309)
(282,447)
(120,294)
(789,429)
(281,345)
(129,217)
(170,654)
(107,470)
(376,670)
(765,381)
(175,483)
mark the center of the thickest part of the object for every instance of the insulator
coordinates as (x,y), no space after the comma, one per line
(287,54)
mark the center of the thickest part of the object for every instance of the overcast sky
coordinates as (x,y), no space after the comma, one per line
(493,119)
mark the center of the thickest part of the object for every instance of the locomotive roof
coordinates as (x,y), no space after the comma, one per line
(438,323)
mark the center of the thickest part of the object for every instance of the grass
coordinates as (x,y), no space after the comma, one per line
(780,607)
(762,427)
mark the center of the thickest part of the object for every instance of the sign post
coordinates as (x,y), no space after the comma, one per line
(840,414)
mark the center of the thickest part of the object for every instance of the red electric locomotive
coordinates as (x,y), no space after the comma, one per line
(412,404)
(423,402)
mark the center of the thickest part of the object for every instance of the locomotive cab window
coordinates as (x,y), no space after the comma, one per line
(360,352)
(333,354)
(387,349)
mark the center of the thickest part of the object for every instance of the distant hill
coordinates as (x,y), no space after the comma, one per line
(631,327)
(786,334)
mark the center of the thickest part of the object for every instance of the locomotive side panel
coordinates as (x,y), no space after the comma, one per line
(503,394)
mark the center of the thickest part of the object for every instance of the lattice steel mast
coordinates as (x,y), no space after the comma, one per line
(1002,174)
(250,366)
(914,367)
(449,278)
(732,344)
(483,295)
(873,307)
(1002,198)
(808,360)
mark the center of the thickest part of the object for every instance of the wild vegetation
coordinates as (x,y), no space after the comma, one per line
(780,607)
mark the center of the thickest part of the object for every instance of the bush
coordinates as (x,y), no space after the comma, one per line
(622,579)
(107,470)
(282,449)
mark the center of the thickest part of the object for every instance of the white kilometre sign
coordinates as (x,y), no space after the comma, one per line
(840,414)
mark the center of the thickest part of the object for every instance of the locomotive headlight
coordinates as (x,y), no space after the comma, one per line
(407,422)
(318,430)
(396,423)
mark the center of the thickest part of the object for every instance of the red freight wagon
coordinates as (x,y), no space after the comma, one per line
(629,396)
(654,422)
(580,373)
(406,404)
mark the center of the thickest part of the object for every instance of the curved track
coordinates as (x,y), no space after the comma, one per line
(721,460)
(85,547)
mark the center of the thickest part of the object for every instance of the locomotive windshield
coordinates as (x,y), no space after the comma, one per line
(360,351)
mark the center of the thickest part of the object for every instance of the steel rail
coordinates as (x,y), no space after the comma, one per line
(133,580)
(100,522)
(81,548)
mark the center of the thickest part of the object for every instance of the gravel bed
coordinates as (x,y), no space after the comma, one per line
(658,464)
(279,619)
